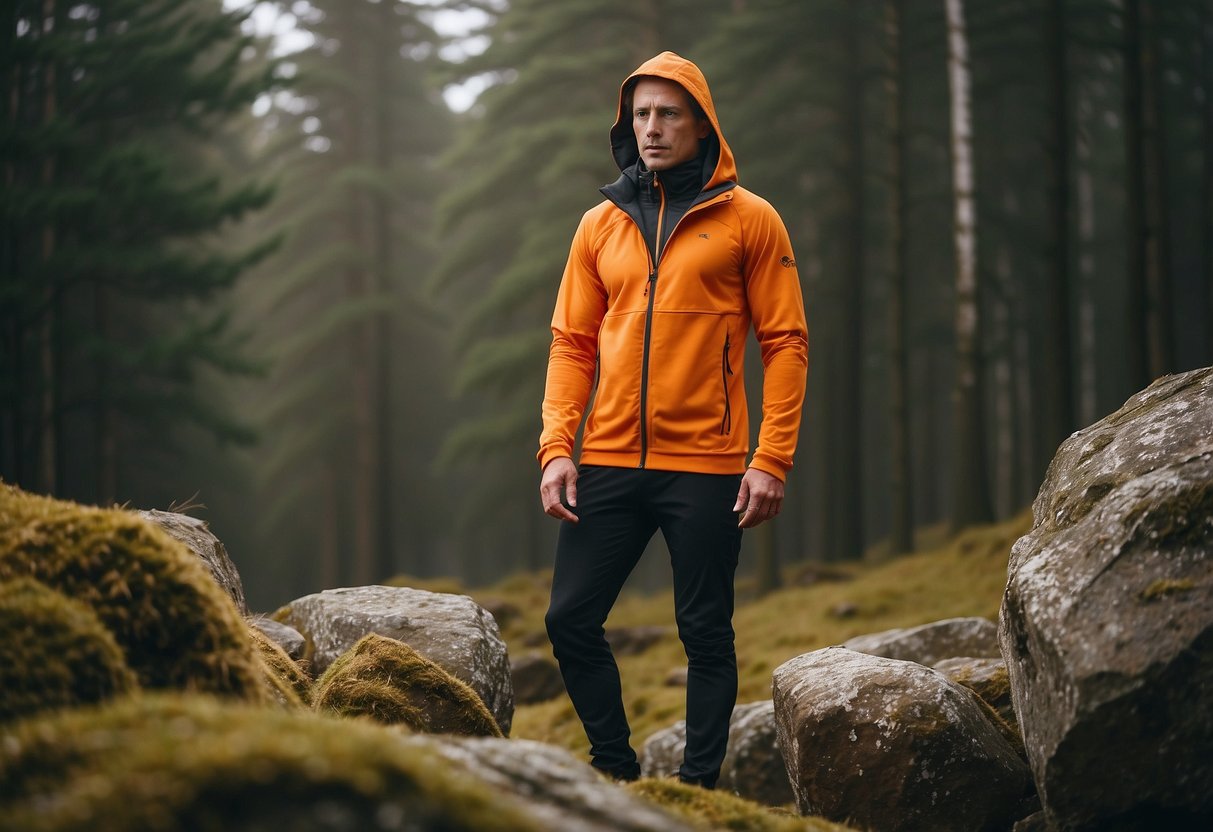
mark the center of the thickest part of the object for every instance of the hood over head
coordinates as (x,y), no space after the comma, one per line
(717,170)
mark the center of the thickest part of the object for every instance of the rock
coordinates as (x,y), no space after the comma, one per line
(562,794)
(288,638)
(390,682)
(536,678)
(158,762)
(1034,822)
(177,629)
(985,677)
(452,631)
(197,537)
(753,768)
(844,609)
(1107,619)
(632,641)
(892,745)
(931,643)
(291,686)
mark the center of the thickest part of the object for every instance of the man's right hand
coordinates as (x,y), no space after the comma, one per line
(559,475)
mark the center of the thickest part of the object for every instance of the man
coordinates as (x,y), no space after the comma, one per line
(663,280)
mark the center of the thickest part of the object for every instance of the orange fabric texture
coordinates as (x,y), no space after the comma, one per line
(727,264)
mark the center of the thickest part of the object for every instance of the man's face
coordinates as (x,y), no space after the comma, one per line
(667,132)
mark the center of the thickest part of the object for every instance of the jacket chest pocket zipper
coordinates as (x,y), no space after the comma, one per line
(726,370)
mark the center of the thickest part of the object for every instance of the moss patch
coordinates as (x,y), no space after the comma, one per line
(1164,587)
(174,762)
(716,810)
(284,677)
(392,683)
(176,626)
(54,653)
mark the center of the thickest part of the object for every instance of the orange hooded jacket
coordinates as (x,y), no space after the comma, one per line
(667,339)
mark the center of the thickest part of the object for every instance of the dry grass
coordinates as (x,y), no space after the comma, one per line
(961,577)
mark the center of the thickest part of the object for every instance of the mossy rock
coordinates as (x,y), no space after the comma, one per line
(169,763)
(392,683)
(176,627)
(717,809)
(285,678)
(54,653)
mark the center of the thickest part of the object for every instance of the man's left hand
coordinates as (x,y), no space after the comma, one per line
(760,498)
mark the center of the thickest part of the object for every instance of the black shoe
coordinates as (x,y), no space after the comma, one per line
(701,782)
(623,774)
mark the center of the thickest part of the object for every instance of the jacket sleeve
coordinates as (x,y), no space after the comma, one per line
(777,308)
(573,357)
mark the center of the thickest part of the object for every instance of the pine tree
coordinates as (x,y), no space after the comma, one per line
(112,278)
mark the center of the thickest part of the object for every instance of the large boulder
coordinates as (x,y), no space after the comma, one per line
(893,745)
(562,793)
(753,768)
(176,627)
(1107,619)
(197,537)
(931,643)
(192,763)
(452,631)
(289,639)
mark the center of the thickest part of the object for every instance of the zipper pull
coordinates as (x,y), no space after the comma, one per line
(649,285)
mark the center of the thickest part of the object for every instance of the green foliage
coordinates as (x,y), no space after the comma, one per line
(390,682)
(114,277)
(54,653)
(166,763)
(177,628)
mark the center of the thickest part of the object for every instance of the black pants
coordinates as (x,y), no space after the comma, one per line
(619,510)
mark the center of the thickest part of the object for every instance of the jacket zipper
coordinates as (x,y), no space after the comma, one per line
(726,370)
(650,289)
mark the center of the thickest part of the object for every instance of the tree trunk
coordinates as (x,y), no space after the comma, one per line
(1059,375)
(849,473)
(1160,323)
(1136,339)
(1206,202)
(48,360)
(970,492)
(901,532)
(1088,358)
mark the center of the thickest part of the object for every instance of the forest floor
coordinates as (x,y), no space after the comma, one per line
(819,605)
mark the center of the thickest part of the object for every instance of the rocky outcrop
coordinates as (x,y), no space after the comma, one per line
(536,678)
(753,768)
(562,794)
(931,643)
(632,641)
(1107,619)
(893,745)
(197,537)
(450,630)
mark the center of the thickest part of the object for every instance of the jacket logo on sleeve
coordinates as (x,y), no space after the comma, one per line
(787,262)
(705,236)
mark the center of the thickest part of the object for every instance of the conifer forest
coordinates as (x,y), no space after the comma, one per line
(290,266)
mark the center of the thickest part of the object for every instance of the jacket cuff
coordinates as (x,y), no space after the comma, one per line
(547,454)
(770,466)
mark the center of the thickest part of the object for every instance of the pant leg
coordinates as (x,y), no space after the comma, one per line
(696,517)
(593,560)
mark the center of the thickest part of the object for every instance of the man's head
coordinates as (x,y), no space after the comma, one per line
(667,121)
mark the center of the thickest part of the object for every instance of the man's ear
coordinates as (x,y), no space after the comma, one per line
(705,127)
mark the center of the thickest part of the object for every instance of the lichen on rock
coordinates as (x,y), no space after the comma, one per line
(286,680)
